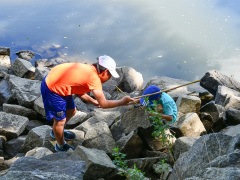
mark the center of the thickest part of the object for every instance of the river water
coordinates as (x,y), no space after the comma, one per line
(175,38)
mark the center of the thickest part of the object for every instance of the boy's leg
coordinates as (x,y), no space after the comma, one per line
(70,113)
(58,127)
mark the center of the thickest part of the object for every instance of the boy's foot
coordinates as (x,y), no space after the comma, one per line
(65,147)
(68,135)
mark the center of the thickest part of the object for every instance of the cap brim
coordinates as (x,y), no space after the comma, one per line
(114,74)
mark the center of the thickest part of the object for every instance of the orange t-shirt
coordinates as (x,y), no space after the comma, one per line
(73,78)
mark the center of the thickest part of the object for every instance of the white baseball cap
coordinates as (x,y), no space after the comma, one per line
(109,63)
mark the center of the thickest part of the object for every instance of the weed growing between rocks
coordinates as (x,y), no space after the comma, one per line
(123,170)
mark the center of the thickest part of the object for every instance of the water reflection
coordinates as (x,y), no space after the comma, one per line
(179,39)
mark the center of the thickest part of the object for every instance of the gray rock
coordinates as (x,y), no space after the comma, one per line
(43,63)
(13,146)
(231,130)
(25,91)
(77,119)
(20,110)
(25,54)
(117,130)
(32,124)
(133,119)
(5,51)
(98,164)
(3,71)
(214,151)
(131,145)
(38,152)
(182,145)
(65,166)
(99,137)
(38,137)
(40,73)
(227,97)
(6,95)
(212,79)
(233,116)
(12,125)
(130,80)
(39,106)
(23,68)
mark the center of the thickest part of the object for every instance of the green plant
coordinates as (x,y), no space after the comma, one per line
(123,170)
(160,127)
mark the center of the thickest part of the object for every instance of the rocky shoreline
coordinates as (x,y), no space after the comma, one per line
(207,132)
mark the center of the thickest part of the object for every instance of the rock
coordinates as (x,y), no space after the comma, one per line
(3,72)
(23,68)
(117,130)
(38,152)
(190,125)
(25,54)
(32,124)
(130,80)
(213,156)
(108,117)
(25,91)
(5,51)
(98,164)
(231,130)
(131,145)
(39,106)
(182,145)
(12,125)
(13,146)
(217,114)
(5,61)
(40,73)
(187,104)
(155,143)
(6,95)
(20,110)
(38,137)
(69,166)
(99,136)
(131,120)
(212,79)
(233,116)
(77,119)
(227,97)
(43,63)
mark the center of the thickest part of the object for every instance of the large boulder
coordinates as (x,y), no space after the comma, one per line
(25,54)
(23,68)
(38,137)
(20,110)
(98,163)
(187,104)
(130,80)
(233,116)
(212,79)
(133,119)
(54,166)
(12,125)
(213,156)
(40,73)
(190,125)
(227,97)
(5,51)
(25,91)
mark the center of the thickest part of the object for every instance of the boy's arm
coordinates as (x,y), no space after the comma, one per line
(88,98)
(104,103)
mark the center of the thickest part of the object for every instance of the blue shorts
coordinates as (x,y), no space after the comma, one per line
(54,104)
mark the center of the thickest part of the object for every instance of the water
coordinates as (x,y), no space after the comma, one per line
(179,39)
